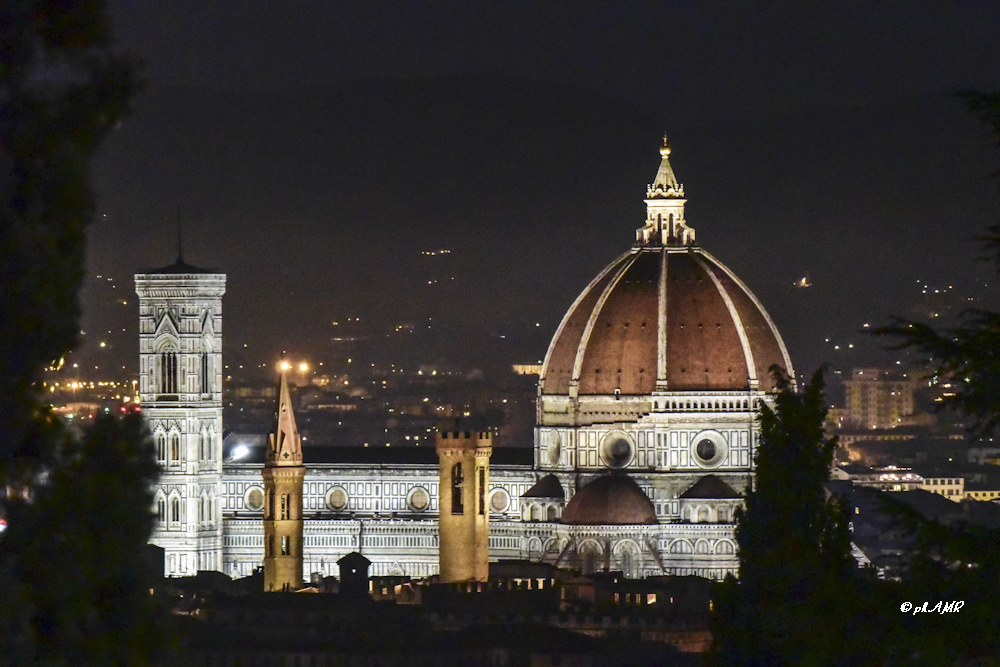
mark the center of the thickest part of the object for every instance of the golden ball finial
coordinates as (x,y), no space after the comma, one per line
(665,149)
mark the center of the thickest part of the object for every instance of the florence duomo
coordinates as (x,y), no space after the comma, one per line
(643,444)
(343,333)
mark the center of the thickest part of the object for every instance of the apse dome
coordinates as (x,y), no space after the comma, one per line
(664,316)
(610,500)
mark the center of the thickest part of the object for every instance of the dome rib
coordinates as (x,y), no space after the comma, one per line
(596,312)
(661,326)
(770,343)
(703,345)
(560,358)
(734,314)
(620,355)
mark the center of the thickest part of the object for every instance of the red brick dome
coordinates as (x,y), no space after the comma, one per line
(610,500)
(663,318)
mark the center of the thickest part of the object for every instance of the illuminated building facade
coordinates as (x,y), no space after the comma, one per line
(643,448)
(283,473)
(180,387)
(877,398)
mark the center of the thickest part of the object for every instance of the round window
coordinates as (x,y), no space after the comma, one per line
(553,450)
(617,450)
(709,449)
(254,499)
(499,501)
(337,499)
(419,499)
(706,450)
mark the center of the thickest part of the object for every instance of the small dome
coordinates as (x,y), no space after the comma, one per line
(610,500)
(546,487)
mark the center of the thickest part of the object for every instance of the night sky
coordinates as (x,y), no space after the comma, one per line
(315,150)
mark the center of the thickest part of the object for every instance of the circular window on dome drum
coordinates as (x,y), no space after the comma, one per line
(617,449)
(337,498)
(705,450)
(709,448)
(254,499)
(418,499)
(553,447)
(499,501)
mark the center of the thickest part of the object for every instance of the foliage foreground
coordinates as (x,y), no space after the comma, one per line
(74,583)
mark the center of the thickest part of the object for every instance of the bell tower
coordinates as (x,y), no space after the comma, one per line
(283,475)
(463,515)
(180,389)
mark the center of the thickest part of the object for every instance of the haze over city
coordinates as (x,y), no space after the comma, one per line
(323,167)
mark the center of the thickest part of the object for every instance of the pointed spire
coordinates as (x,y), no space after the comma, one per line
(665,184)
(284,446)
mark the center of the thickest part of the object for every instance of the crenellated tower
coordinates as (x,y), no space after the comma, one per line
(180,389)
(464,518)
(283,475)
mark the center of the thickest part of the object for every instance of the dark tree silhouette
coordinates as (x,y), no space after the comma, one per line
(75,587)
(968,354)
(960,561)
(796,599)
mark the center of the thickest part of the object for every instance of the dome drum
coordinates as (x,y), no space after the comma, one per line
(689,445)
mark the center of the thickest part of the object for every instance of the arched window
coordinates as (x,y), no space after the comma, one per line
(534,548)
(627,564)
(175,510)
(536,512)
(161,447)
(589,561)
(175,447)
(702,514)
(205,387)
(550,513)
(457,482)
(161,510)
(167,371)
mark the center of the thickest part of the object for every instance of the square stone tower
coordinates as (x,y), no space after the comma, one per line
(180,389)
(464,518)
